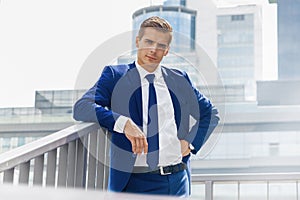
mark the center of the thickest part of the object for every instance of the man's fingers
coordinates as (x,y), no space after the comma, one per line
(141,145)
(186,152)
(133,144)
(136,137)
(184,146)
(138,145)
(145,144)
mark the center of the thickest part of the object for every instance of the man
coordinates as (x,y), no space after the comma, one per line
(147,108)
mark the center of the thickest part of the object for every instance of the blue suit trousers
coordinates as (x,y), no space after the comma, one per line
(176,184)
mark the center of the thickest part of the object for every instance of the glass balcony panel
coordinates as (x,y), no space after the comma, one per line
(298,189)
(286,191)
(250,191)
(225,191)
(198,191)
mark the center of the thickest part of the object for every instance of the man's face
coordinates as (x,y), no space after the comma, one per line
(152,47)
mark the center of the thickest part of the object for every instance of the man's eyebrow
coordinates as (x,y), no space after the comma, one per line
(162,44)
(148,39)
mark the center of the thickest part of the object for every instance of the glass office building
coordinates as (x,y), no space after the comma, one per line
(288,39)
(52,112)
(236,48)
(288,13)
(239,58)
(181,18)
(175,3)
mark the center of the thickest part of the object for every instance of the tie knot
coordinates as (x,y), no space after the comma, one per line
(150,77)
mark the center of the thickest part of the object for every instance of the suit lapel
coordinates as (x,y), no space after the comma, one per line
(174,93)
(135,103)
(170,81)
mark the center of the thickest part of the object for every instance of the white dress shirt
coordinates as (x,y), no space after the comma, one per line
(169,144)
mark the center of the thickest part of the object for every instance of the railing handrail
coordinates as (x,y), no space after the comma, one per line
(45,144)
(238,177)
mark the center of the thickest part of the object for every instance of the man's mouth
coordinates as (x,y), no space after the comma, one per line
(151,57)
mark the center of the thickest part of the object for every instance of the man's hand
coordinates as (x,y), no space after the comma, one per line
(185,150)
(136,137)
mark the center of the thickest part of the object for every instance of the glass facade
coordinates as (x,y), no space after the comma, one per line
(288,39)
(56,101)
(175,3)
(236,48)
(10,142)
(52,112)
(262,144)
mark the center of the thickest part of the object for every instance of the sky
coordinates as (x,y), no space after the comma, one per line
(43,44)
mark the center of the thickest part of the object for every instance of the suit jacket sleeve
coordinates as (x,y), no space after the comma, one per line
(206,118)
(94,106)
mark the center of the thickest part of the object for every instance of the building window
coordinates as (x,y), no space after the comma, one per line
(237,17)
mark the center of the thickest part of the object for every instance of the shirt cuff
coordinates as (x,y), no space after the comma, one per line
(120,124)
(191,147)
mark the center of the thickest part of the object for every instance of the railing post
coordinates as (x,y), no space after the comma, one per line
(239,190)
(208,190)
(297,190)
(71,164)
(24,172)
(51,168)
(107,157)
(81,163)
(85,159)
(38,170)
(62,166)
(268,190)
(9,175)
(92,160)
(101,160)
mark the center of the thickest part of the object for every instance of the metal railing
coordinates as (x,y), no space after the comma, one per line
(238,181)
(73,157)
(78,157)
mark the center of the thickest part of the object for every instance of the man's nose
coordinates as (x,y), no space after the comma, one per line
(154,47)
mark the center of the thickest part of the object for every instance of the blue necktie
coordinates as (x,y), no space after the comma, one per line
(152,126)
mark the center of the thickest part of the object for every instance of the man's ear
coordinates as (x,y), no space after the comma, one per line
(137,40)
(166,51)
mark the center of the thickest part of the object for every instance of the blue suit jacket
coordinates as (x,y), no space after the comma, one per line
(118,92)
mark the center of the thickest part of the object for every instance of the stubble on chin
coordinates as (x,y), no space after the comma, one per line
(150,67)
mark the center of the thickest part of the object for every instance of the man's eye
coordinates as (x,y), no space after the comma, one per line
(162,46)
(149,42)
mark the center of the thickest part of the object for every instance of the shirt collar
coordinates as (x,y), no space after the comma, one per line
(143,72)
